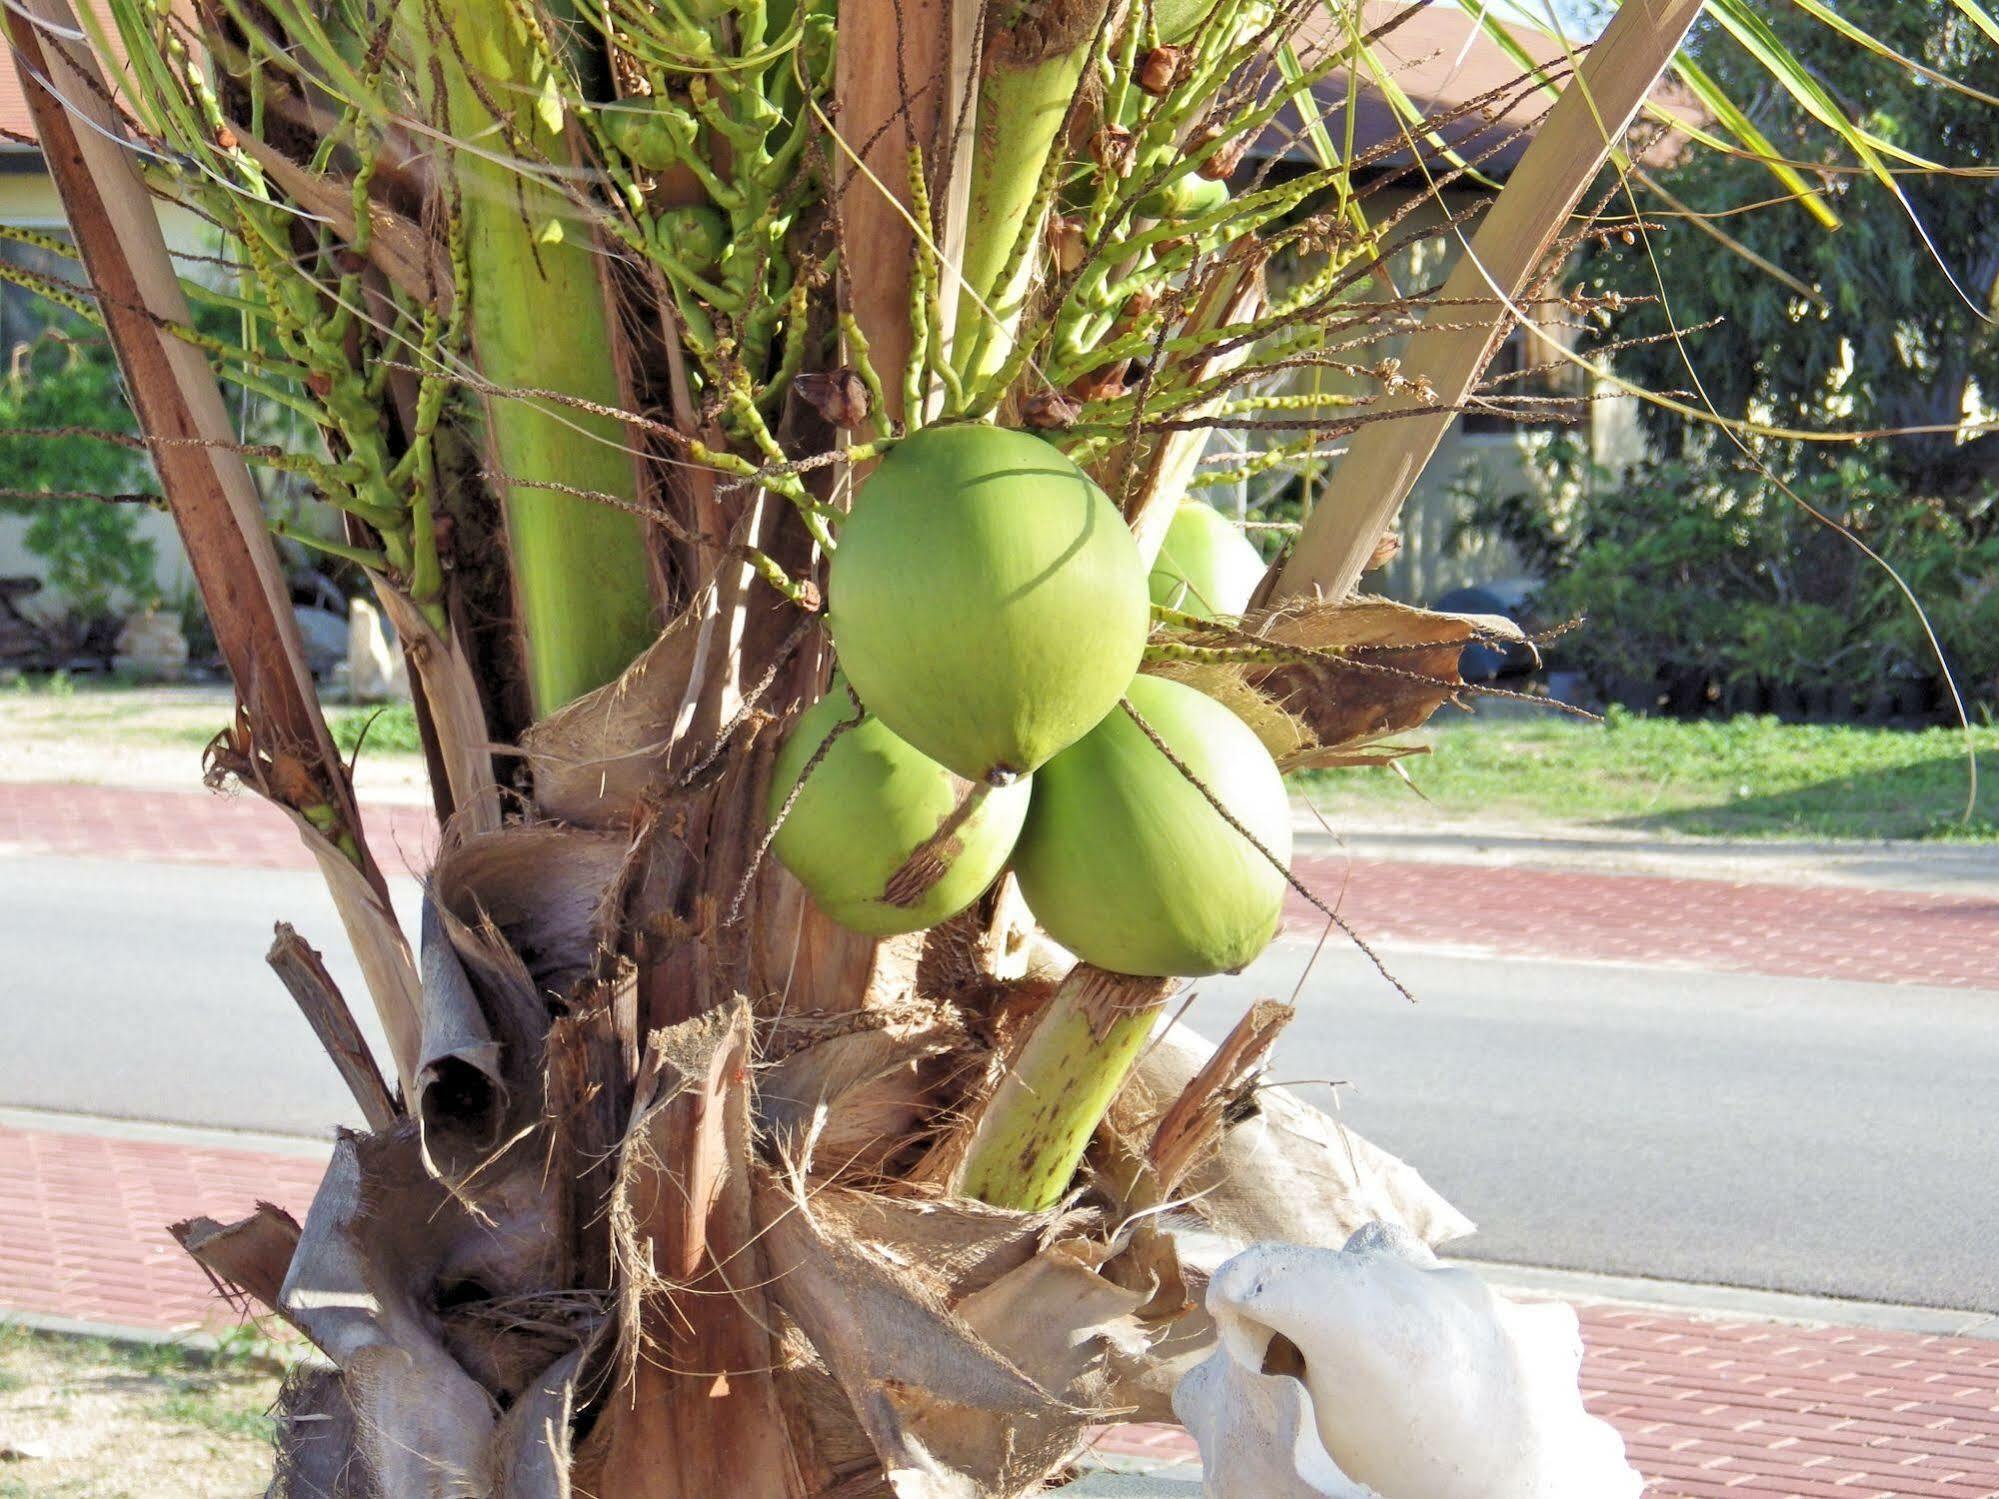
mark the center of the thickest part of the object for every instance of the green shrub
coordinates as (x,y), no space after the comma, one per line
(92,552)
(1695,569)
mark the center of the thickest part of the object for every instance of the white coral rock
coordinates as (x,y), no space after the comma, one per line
(1421,1382)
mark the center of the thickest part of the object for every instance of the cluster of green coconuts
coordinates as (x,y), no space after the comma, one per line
(989,610)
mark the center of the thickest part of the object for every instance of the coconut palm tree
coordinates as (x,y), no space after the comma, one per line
(740,1131)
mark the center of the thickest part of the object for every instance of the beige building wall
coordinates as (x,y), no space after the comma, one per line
(1430,563)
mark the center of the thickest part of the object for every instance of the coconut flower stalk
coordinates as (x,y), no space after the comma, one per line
(532,265)
(619,331)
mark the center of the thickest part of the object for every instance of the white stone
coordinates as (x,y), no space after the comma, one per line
(375,668)
(1420,1381)
(151,647)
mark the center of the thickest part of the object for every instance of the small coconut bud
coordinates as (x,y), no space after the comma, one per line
(1386,545)
(1112,146)
(1105,383)
(1228,156)
(840,396)
(1159,69)
(1050,410)
(1137,308)
(1065,244)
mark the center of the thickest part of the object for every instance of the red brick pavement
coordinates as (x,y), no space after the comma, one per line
(1874,936)
(1754,1410)
(1877,936)
(1708,1409)
(189,827)
(83,1221)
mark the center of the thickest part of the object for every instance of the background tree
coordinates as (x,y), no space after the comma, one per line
(1864,329)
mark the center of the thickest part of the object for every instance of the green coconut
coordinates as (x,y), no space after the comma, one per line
(885,838)
(1206,566)
(986,599)
(1187,196)
(1128,865)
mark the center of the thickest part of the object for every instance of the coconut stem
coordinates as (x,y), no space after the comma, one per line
(1059,1083)
(539,317)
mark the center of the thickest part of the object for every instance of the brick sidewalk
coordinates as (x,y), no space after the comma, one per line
(189,827)
(1707,1408)
(1876,936)
(83,1222)
(1821,932)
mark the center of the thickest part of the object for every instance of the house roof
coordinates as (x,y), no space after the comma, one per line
(14,119)
(17,126)
(1445,61)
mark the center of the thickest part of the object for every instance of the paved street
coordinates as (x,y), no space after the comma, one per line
(1787,1133)
(1710,1407)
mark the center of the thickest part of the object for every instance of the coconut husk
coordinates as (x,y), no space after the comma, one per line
(1178,1331)
(543,889)
(1285,735)
(1282,1169)
(359,1286)
(510,918)
(1058,1318)
(880,1070)
(463,1098)
(860,1093)
(1406,667)
(318,1456)
(953,1246)
(933,1396)
(974,1344)
(246,1259)
(532,1447)
(595,760)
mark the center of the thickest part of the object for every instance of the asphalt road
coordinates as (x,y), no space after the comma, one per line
(1824,1138)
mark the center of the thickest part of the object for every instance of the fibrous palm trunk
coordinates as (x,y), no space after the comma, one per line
(683,1188)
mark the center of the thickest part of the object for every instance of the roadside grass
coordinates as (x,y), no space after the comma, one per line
(108,709)
(381,731)
(1749,777)
(96,1419)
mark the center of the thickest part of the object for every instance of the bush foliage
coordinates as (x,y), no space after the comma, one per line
(1705,570)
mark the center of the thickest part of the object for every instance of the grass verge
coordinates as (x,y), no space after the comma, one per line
(85,1418)
(1737,778)
(381,731)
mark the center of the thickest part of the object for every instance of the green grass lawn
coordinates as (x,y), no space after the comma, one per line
(1740,778)
(380,731)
